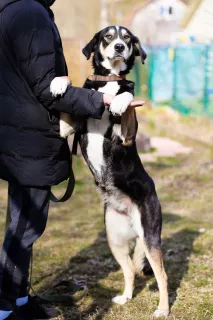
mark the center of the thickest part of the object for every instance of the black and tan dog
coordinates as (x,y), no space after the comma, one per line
(132,209)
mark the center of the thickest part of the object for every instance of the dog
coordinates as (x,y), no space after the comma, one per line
(131,206)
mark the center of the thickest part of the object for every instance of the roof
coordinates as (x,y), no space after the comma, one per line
(147,2)
(198,21)
(141,6)
(194,5)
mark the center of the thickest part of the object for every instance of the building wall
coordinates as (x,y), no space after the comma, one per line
(77,18)
(77,22)
(201,23)
(157,22)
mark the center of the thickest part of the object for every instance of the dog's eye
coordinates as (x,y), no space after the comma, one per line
(126,37)
(109,36)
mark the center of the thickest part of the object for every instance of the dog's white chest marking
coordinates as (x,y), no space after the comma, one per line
(129,225)
(96,130)
(111,87)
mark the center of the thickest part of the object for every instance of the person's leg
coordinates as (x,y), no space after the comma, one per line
(29,211)
(37,206)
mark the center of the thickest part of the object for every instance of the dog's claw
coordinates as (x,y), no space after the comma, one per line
(160,314)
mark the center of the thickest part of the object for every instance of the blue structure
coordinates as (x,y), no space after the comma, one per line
(181,77)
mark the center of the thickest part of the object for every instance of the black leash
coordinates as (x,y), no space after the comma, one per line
(65,299)
(68,192)
(71,181)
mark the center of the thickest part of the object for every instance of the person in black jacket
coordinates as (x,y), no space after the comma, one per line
(33,156)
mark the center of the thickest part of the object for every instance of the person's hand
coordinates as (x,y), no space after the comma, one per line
(135,104)
(108,99)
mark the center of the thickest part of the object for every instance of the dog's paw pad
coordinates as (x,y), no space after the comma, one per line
(160,314)
(120,299)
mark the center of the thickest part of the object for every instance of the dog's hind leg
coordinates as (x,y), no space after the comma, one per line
(120,248)
(140,261)
(154,255)
(151,241)
(139,256)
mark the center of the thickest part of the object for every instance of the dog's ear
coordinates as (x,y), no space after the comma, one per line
(129,127)
(139,50)
(89,48)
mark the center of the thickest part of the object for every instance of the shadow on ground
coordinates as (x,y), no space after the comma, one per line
(95,263)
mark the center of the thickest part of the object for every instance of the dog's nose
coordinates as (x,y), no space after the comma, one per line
(119,47)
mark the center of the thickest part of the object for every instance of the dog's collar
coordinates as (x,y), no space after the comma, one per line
(112,77)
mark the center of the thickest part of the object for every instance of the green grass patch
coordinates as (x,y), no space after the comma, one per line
(74,245)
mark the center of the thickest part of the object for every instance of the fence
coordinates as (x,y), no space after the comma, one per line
(181,77)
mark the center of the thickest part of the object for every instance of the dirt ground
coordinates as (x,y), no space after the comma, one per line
(74,245)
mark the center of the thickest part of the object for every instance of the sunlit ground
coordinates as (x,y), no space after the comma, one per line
(74,244)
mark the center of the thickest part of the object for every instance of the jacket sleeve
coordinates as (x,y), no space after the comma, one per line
(33,43)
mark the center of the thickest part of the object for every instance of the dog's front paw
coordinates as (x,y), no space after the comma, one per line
(59,86)
(120,103)
(161,313)
(120,299)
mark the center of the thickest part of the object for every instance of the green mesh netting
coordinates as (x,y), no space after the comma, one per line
(181,77)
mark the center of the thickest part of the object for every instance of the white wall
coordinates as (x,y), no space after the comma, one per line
(154,25)
(201,24)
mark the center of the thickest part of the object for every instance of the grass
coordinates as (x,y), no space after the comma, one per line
(74,246)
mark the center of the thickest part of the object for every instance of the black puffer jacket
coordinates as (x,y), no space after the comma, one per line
(31,150)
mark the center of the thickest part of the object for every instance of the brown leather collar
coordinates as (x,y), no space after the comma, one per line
(106,78)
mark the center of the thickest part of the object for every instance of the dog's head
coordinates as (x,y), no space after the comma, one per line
(115,49)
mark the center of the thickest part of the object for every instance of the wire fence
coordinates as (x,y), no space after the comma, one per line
(181,77)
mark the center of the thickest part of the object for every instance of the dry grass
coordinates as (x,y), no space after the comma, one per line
(74,244)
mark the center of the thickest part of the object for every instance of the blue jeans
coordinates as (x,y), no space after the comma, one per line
(28,211)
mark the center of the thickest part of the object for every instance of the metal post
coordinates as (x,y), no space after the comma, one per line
(206,81)
(174,95)
(151,74)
